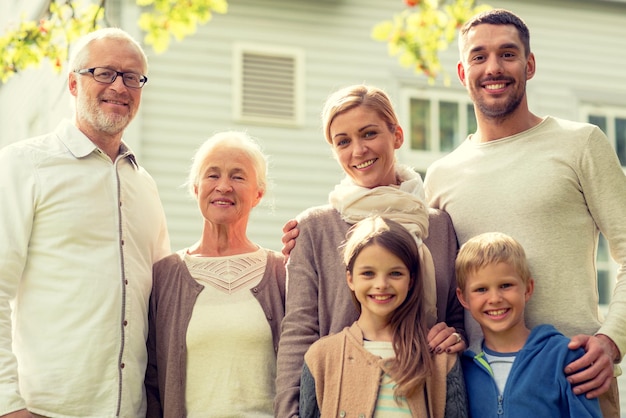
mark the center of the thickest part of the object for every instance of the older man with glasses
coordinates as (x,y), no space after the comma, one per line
(81,225)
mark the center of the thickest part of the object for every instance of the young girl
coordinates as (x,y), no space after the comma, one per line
(381,364)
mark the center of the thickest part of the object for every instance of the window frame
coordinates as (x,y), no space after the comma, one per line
(610,113)
(606,265)
(422,159)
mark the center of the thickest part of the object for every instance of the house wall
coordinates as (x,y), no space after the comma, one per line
(579,46)
(580,53)
(190,97)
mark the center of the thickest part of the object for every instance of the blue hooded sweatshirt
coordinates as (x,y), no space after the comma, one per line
(536,386)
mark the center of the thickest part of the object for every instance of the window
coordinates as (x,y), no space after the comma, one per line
(606,272)
(269,85)
(437,122)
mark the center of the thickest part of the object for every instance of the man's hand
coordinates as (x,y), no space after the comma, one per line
(290,232)
(22,413)
(442,338)
(592,373)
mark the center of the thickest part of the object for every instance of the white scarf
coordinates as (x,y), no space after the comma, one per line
(406,205)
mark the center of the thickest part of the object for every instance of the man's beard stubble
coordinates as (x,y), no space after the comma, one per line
(109,123)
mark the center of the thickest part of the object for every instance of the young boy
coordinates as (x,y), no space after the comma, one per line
(515,372)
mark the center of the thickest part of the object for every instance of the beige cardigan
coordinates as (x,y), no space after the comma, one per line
(347,378)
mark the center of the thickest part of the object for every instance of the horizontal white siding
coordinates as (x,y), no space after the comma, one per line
(580,48)
(189,97)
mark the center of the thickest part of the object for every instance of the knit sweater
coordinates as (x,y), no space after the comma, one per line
(345,381)
(552,188)
(318,298)
(174,294)
(536,385)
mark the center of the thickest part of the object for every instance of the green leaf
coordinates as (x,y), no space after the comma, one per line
(417,35)
(31,43)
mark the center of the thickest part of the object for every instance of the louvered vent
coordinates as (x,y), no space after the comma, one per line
(269,87)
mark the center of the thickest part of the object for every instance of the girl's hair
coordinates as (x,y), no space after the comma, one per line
(490,248)
(358,95)
(413,361)
(232,139)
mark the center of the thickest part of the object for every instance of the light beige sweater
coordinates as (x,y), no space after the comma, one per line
(553,188)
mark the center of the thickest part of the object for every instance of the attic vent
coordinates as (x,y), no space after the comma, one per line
(269,85)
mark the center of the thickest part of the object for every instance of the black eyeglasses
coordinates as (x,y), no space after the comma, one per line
(108,76)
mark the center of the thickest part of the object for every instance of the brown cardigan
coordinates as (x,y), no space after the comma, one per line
(347,378)
(174,294)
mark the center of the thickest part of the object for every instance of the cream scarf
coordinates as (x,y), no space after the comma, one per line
(404,204)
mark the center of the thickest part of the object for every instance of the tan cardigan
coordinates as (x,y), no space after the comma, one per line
(347,378)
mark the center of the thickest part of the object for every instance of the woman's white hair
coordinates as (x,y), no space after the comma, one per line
(232,139)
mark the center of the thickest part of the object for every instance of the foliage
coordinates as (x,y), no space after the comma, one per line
(422,30)
(48,39)
(178,18)
(32,41)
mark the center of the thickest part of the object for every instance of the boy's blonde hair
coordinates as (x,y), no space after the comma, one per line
(490,248)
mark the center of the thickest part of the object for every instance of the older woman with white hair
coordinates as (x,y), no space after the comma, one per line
(216,306)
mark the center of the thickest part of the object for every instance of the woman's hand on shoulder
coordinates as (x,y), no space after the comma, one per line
(445,339)
(290,233)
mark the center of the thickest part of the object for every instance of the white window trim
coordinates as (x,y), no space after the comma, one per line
(608,111)
(610,266)
(421,160)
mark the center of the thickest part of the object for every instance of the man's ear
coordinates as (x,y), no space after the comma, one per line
(531,66)
(72,83)
(460,72)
